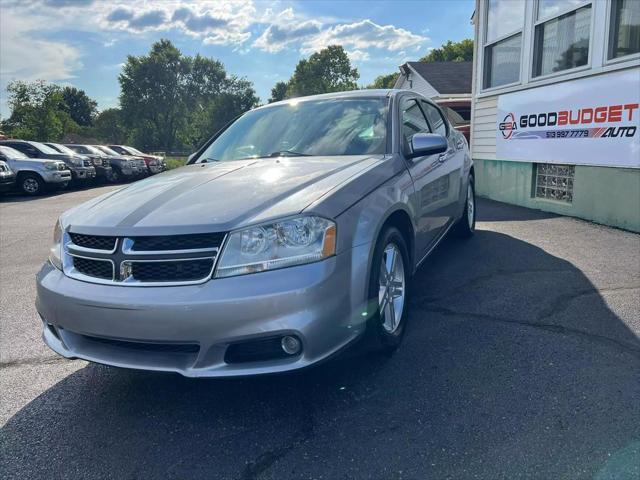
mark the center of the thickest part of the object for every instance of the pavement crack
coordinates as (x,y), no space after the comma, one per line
(633,349)
(479,280)
(32,361)
(563,302)
(265,460)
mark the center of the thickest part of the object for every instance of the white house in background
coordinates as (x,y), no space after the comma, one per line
(437,80)
(556,107)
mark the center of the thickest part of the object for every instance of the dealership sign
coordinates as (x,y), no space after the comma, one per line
(590,121)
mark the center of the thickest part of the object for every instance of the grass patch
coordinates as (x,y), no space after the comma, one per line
(175,162)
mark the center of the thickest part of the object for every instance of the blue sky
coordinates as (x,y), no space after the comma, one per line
(85,42)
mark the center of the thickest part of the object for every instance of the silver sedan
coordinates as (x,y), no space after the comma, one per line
(289,235)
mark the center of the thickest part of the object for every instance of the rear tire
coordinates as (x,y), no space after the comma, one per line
(466,226)
(116,176)
(389,281)
(31,184)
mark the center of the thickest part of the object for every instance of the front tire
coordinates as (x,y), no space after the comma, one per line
(466,226)
(388,291)
(31,184)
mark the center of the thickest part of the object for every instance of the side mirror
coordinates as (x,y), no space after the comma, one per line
(423,144)
(190,157)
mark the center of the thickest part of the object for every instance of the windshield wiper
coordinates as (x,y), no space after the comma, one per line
(288,153)
(207,160)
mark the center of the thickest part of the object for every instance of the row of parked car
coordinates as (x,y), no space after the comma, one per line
(35,167)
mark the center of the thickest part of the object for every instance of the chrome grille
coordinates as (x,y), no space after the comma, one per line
(145,260)
(94,268)
(177,242)
(95,242)
(178,270)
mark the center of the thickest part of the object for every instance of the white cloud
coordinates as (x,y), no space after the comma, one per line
(27,57)
(358,55)
(218,23)
(362,35)
(277,37)
(288,30)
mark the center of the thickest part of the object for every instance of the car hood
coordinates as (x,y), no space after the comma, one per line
(218,196)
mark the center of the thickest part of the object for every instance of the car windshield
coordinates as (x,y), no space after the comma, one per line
(93,150)
(352,126)
(63,149)
(108,151)
(119,150)
(12,153)
(45,148)
(134,151)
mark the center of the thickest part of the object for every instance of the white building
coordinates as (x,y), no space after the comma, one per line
(437,80)
(555,111)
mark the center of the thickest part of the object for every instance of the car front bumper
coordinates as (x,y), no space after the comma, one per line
(7,181)
(83,173)
(322,303)
(103,172)
(56,176)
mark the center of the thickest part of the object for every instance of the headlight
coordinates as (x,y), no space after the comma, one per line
(55,254)
(281,244)
(77,162)
(51,166)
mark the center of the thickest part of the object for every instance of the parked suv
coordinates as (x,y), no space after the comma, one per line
(7,177)
(123,167)
(290,234)
(33,175)
(103,169)
(81,168)
(155,163)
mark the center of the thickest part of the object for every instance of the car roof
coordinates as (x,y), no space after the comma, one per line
(364,93)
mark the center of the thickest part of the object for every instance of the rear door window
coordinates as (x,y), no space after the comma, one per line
(436,120)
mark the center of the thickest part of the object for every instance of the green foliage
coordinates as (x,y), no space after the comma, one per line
(109,128)
(384,81)
(461,51)
(328,70)
(168,99)
(38,112)
(278,92)
(175,162)
(80,107)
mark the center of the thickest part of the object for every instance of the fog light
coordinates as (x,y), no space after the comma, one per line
(290,345)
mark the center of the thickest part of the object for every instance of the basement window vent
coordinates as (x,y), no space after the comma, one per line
(554,182)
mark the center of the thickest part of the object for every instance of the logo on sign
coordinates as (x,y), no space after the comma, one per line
(508,125)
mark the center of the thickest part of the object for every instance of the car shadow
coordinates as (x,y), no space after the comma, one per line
(494,211)
(513,366)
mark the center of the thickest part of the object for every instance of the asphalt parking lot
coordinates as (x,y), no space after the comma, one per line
(521,361)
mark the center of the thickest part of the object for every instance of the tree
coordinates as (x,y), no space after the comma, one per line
(278,92)
(384,81)
(81,108)
(461,51)
(108,126)
(38,111)
(328,70)
(165,96)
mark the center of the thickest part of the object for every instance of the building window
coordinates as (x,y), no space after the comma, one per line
(554,182)
(503,42)
(624,31)
(561,43)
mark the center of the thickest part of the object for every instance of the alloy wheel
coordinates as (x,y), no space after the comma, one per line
(392,288)
(470,206)
(30,185)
